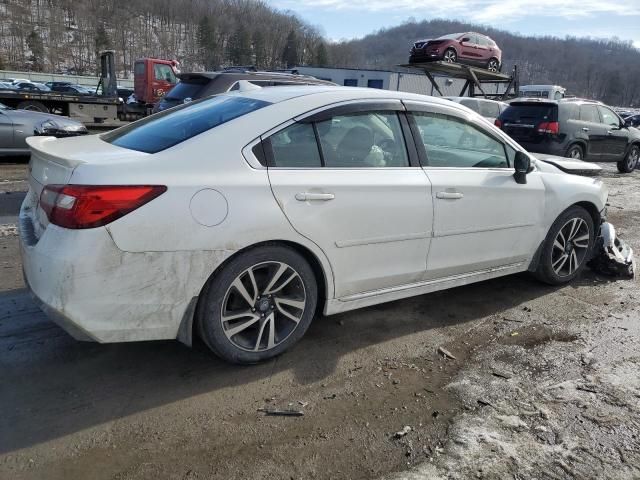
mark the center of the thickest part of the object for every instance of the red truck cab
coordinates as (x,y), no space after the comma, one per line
(153,78)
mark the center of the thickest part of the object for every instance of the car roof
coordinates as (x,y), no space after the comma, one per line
(247,75)
(283,93)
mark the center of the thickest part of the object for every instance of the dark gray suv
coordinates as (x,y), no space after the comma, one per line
(576,128)
(198,85)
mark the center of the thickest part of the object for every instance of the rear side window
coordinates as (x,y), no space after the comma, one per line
(489,109)
(295,147)
(471,103)
(530,113)
(589,113)
(166,129)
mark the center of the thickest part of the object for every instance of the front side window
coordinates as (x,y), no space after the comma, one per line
(166,129)
(608,117)
(164,72)
(363,140)
(589,113)
(451,142)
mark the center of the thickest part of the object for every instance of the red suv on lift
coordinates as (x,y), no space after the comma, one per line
(469,48)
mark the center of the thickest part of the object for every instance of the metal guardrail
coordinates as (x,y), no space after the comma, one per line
(85,80)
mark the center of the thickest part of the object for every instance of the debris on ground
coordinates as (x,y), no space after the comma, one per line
(402,432)
(281,413)
(612,255)
(446,353)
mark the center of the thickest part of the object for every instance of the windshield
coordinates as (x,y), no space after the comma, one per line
(164,130)
(451,36)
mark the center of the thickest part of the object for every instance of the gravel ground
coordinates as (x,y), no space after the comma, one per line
(544,384)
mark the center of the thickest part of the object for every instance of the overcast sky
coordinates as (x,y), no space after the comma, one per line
(355,18)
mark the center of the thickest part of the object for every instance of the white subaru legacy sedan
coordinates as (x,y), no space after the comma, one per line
(241,216)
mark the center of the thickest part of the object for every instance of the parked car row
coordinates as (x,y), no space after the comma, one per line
(59,86)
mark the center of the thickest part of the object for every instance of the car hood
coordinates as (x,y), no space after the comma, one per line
(37,117)
(570,165)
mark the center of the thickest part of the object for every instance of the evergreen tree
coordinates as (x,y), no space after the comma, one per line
(240,46)
(321,57)
(290,54)
(259,49)
(207,43)
(34,42)
(102,40)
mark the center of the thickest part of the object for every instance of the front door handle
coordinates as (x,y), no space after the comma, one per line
(307,196)
(585,129)
(609,132)
(449,195)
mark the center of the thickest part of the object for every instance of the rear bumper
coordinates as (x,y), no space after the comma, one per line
(97,292)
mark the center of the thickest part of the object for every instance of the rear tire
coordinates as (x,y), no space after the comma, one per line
(575,151)
(33,106)
(493,65)
(567,247)
(630,161)
(259,304)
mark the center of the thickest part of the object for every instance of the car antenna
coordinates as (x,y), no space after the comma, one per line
(246,86)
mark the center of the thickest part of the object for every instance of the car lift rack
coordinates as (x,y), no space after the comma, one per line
(475,78)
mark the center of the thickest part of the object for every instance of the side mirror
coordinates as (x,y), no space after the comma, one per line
(522,164)
(465,39)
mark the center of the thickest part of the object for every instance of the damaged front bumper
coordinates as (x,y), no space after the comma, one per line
(611,255)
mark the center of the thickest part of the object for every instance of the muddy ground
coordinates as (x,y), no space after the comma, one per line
(544,385)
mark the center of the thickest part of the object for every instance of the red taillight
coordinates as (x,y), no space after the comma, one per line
(497,123)
(549,127)
(89,206)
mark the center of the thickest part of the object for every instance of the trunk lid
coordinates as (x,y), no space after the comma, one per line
(521,120)
(53,162)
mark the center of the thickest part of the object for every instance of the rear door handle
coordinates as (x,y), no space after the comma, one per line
(306,196)
(449,195)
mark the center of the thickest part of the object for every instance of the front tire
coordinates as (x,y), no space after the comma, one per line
(450,56)
(258,305)
(630,161)
(567,247)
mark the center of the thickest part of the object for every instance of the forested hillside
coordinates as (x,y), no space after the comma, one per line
(64,35)
(601,69)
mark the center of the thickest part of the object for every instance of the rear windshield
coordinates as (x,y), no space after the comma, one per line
(166,129)
(530,113)
(186,89)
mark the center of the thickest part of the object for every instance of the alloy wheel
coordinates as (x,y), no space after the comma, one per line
(570,247)
(263,306)
(450,56)
(575,153)
(632,158)
(493,66)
